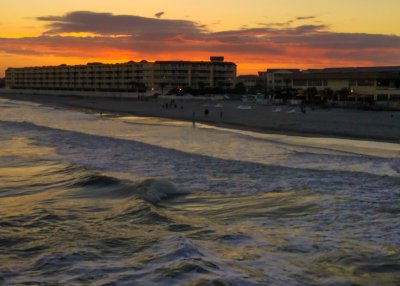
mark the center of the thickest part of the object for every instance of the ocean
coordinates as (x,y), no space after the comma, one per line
(123,200)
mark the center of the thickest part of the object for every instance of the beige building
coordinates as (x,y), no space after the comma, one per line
(93,76)
(124,76)
(215,73)
(274,79)
(249,81)
(370,83)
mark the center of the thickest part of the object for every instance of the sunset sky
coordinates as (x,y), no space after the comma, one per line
(256,34)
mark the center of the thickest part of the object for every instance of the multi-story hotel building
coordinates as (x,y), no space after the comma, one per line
(93,76)
(372,83)
(125,76)
(215,73)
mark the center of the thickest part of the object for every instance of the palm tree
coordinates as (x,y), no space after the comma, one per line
(343,92)
(310,92)
(327,93)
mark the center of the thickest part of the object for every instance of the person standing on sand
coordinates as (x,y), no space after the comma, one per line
(194,119)
(206,112)
(220,114)
(303,106)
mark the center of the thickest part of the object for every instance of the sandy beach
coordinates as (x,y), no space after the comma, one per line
(339,123)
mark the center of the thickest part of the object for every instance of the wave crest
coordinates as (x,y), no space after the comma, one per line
(156,190)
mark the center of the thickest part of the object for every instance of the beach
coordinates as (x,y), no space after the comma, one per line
(282,119)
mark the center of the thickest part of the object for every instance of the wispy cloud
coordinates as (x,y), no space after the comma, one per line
(305,18)
(159,14)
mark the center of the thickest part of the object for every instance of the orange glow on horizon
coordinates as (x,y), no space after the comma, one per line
(243,68)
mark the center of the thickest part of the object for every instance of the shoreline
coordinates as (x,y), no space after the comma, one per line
(381,126)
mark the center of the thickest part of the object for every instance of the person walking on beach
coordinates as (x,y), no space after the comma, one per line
(206,112)
(303,106)
(194,119)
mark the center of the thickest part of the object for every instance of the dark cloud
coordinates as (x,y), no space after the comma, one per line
(277,24)
(159,14)
(305,18)
(371,57)
(329,40)
(307,29)
(152,37)
(22,51)
(109,24)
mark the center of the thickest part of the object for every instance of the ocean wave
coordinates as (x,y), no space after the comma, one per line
(155,191)
(85,201)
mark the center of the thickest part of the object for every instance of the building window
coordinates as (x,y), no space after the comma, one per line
(365,82)
(395,97)
(299,82)
(315,82)
(352,82)
(383,83)
(382,97)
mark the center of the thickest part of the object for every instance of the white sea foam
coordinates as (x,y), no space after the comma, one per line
(271,149)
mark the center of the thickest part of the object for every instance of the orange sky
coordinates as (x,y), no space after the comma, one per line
(256,34)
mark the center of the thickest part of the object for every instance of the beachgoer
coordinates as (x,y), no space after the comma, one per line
(206,112)
(194,119)
(303,106)
(220,114)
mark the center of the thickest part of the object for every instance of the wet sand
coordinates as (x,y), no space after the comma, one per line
(338,123)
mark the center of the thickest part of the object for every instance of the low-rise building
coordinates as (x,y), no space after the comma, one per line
(274,79)
(367,83)
(249,81)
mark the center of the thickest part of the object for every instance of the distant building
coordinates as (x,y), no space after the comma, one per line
(125,76)
(195,74)
(248,81)
(93,76)
(274,79)
(367,83)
